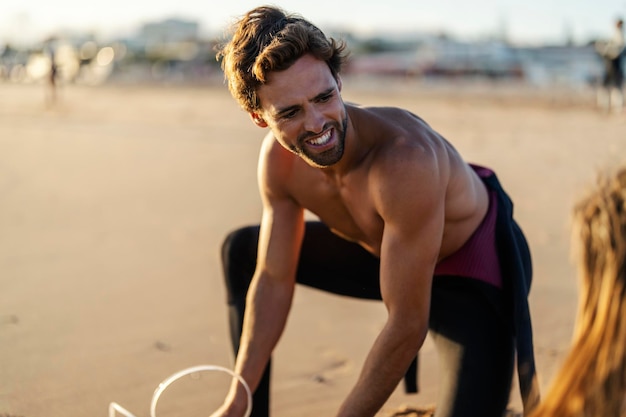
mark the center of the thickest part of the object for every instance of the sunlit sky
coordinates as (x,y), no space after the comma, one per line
(526,21)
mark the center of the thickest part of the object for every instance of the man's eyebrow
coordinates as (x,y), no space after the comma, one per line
(285,110)
(324,93)
(288,109)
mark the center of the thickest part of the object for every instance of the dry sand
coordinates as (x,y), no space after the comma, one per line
(113,205)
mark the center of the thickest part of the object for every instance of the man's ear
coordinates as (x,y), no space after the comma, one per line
(339,84)
(258,120)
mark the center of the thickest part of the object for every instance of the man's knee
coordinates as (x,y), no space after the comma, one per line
(240,242)
(238,254)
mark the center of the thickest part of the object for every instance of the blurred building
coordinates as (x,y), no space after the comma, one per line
(168,51)
(168,31)
(445,58)
(562,65)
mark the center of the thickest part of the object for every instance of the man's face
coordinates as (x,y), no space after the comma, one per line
(302,106)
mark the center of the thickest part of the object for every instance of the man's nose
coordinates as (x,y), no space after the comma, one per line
(314,121)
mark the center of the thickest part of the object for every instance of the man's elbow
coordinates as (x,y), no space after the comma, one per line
(414,333)
(417,336)
(410,327)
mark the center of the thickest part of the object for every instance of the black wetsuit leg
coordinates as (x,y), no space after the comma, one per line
(475,346)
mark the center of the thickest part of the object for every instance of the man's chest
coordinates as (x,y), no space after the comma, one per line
(344,204)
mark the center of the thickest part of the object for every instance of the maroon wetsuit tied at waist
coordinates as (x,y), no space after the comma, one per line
(478,257)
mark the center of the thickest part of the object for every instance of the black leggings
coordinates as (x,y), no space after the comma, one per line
(473,341)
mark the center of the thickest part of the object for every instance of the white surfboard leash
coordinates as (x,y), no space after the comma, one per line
(116,408)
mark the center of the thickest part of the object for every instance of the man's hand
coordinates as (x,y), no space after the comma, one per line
(223,411)
(235,405)
(226,410)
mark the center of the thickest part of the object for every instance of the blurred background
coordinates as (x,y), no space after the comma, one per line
(534,42)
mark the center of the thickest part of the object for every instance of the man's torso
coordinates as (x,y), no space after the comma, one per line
(345,203)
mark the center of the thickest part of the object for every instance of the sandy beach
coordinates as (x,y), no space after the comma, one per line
(114,202)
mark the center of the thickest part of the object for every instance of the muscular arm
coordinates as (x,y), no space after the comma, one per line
(271,290)
(408,192)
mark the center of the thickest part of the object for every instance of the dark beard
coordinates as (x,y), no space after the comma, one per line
(326,158)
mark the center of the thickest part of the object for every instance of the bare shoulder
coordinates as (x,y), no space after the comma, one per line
(413,161)
(272,151)
(274,167)
(408,150)
(410,164)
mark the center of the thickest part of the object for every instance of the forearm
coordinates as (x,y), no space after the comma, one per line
(267,307)
(390,356)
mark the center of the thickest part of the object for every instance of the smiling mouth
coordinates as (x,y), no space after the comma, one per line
(321,140)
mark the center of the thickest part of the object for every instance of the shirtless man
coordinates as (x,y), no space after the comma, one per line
(402,217)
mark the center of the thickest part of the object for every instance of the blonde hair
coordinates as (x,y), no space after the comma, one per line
(268,39)
(592,380)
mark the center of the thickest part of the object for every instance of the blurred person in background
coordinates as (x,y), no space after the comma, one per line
(610,96)
(53,72)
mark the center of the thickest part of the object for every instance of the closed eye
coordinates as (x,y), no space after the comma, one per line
(289,114)
(325,96)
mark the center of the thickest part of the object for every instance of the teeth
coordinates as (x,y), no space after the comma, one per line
(321,140)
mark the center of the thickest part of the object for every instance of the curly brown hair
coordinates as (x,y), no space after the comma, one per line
(268,39)
(592,380)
